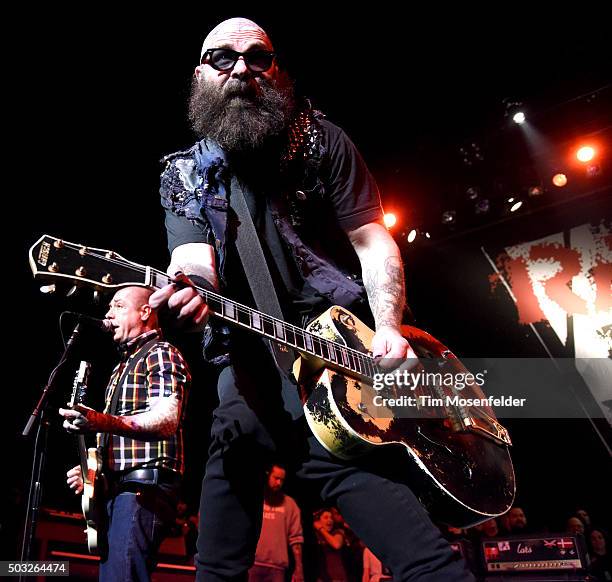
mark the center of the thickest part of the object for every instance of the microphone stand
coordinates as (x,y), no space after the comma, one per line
(40,449)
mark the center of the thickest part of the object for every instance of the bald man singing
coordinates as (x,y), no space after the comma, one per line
(317,215)
(140,432)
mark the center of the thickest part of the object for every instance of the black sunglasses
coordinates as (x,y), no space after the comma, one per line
(222,59)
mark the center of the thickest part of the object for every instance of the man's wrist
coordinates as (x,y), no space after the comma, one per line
(386,324)
(201,282)
(99,421)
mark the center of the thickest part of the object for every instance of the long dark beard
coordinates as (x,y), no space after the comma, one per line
(273,498)
(239,116)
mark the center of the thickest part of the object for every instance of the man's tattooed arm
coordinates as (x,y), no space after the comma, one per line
(161,421)
(382,271)
(167,373)
(384,283)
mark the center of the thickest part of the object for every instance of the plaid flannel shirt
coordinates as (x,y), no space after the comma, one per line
(160,372)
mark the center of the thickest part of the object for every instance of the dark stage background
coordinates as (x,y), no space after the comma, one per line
(100,97)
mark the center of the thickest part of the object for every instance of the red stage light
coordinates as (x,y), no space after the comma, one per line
(585,153)
(559,180)
(390,220)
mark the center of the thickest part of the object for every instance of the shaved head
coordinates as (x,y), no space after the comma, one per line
(235,30)
(130,313)
(139,296)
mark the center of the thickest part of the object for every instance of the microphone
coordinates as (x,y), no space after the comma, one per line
(101,324)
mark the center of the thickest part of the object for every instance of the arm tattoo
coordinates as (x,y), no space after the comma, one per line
(386,291)
(161,421)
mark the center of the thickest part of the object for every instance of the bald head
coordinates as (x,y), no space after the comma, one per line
(130,313)
(237,32)
(139,295)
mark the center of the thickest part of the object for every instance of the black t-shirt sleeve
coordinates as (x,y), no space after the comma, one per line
(350,186)
(181,230)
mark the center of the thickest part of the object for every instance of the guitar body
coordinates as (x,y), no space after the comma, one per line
(464,476)
(92,502)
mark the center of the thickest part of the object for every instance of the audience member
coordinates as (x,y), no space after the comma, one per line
(574,526)
(330,540)
(281,529)
(601,564)
(515,521)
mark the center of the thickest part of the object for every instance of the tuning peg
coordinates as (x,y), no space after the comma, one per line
(48,289)
(72,291)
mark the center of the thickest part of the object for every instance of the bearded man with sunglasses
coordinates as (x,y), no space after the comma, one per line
(317,215)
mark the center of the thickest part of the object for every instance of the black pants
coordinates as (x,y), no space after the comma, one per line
(248,427)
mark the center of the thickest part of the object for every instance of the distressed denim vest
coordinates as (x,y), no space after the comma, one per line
(195,184)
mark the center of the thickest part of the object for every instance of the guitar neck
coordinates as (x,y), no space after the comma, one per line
(59,259)
(337,355)
(82,446)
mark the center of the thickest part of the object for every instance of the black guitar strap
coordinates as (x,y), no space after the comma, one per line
(260,281)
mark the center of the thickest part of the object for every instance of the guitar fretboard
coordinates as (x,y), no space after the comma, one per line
(280,331)
(71,261)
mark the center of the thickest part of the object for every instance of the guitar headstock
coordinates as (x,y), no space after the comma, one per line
(53,259)
(79,386)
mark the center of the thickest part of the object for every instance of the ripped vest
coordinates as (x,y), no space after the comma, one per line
(195,184)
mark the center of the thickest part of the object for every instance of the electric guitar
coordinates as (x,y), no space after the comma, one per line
(92,503)
(461,467)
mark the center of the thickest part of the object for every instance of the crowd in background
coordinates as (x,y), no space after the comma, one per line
(333,553)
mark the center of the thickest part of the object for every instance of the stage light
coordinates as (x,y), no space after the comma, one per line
(390,220)
(472,193)
(535,191)
(482,206)
(516,206)
(514,110)
(559,180)
(585,154)
(449,217)
(415,233)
